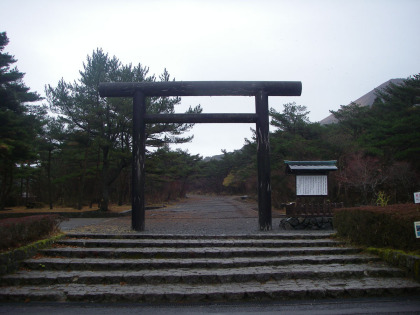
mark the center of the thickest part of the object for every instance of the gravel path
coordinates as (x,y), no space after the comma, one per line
(200,215)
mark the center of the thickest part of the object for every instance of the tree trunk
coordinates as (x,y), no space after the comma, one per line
(82,181)
(49,179)
(20,202)
(27,188)
(6,180)
(105,185)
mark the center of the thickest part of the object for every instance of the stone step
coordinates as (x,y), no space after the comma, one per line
(204,276)
(285,235)
(51,263)
(202,252)
(226,292)
(187,268)
(182,243)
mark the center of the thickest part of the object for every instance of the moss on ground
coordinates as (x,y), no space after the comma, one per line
(410,261)
(10,260)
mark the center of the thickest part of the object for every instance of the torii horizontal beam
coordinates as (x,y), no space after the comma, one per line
(201,88)
(201,118)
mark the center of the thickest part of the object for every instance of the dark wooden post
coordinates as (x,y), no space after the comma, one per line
(139,148)
(263,160)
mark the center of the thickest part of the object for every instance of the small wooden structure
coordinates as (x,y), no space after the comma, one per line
(261,90)
(311,188)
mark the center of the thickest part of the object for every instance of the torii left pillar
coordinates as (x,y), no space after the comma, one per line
(139,151)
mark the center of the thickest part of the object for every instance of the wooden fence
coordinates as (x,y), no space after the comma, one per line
(312,209)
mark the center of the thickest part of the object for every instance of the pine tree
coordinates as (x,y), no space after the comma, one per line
(18,125)
(107,121)
(352,119)
(293,119)
(393,130)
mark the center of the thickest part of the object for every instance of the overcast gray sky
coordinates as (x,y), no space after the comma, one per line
(340,50)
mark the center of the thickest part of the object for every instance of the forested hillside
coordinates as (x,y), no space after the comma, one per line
(377,149)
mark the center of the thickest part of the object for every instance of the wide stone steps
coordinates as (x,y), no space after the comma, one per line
(290,235)
(193,252)
(194,275)
(227,292)
(146,268)
(63,263)
(197,243)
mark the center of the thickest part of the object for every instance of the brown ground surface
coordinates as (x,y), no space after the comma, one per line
(23,209)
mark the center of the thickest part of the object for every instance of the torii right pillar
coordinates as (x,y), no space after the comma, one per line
(263,161)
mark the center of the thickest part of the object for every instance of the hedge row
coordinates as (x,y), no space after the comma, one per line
(15,232)
(390,226)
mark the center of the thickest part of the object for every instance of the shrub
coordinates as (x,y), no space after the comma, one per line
(390,226)
(16,232)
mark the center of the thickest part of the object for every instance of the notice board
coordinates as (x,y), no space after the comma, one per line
(417,197)
(311,185)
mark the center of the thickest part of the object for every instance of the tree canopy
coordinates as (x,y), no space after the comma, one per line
(106,122)
(393,124)
(18,124)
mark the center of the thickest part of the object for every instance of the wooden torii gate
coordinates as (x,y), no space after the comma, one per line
(259,89)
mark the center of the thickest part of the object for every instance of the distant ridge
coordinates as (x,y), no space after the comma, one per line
(214,157)
(365,100)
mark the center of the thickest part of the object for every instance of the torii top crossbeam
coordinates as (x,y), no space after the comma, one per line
(202,88)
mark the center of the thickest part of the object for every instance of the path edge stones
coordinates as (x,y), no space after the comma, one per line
(10,261)
(397,258)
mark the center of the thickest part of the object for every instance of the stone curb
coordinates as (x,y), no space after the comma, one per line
(410,263)
(10,261)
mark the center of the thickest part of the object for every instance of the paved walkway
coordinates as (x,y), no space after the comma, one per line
(201,215)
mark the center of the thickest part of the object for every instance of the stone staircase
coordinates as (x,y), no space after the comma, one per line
(182,268)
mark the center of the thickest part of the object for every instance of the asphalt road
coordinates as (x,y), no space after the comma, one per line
(401,305)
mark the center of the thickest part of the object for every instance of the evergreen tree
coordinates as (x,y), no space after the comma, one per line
(293,119)
(107,121)
(352,119)
(168,173)
(393,129)
(18,124)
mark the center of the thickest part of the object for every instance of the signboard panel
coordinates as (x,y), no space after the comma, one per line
(417,229)
(311,185)
(417,197)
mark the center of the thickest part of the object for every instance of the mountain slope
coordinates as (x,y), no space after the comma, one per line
(365,100)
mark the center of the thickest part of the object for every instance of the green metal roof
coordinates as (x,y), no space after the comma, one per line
(332,162)
(310,166)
